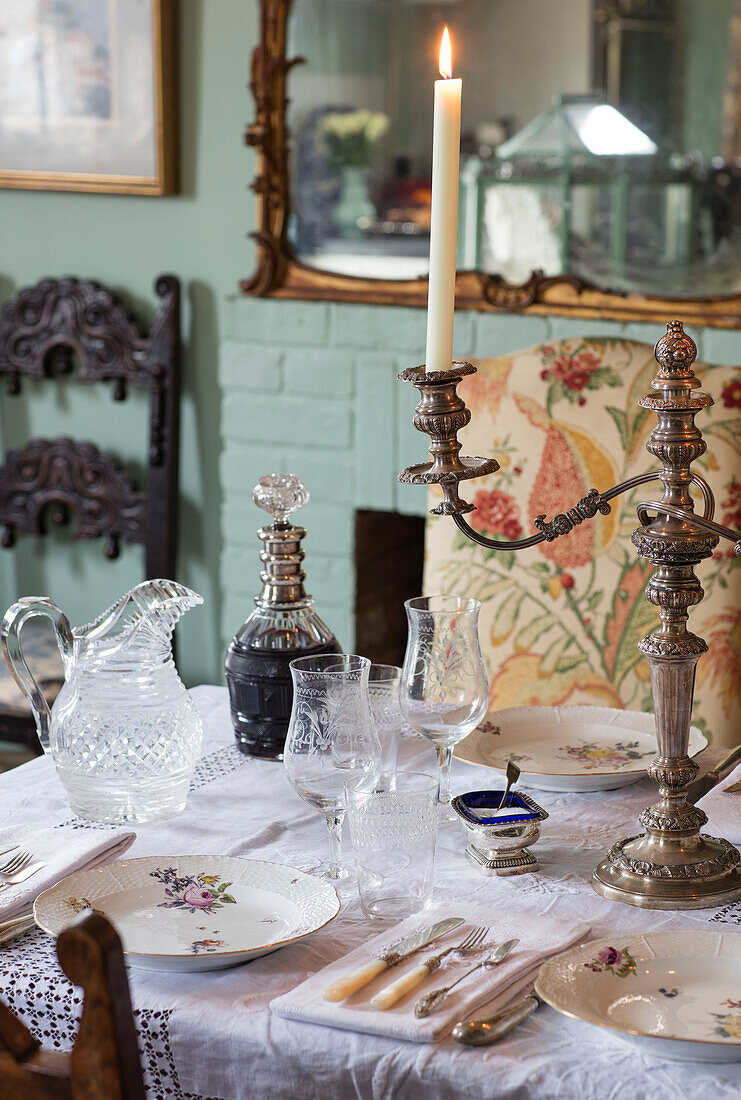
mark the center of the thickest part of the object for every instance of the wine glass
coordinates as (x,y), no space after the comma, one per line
(331,738)
(444,691)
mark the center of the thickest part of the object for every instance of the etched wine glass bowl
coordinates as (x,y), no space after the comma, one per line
(444,691)
(331,739)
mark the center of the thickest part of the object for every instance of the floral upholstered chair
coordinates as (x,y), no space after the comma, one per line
(560,622)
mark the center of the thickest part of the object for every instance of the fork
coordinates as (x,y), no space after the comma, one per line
(387,997)
(427,1004)
(16,863)
(21,875)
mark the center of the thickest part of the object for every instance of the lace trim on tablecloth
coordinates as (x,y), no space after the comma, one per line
(33,985)
(728,914)
(218,764)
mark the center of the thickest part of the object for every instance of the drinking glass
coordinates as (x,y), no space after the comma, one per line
(383,691)
(393,836)
(444,691)
(331,738)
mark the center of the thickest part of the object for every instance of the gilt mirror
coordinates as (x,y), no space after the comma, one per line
(600,152)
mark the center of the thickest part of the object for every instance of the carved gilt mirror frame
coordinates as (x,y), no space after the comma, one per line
(278,273)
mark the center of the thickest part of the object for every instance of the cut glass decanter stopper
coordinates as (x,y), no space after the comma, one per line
(280,494)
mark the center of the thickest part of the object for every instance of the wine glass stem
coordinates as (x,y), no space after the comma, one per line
(444,757)
(334,825)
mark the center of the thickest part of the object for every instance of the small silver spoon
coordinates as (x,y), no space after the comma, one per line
(513,774)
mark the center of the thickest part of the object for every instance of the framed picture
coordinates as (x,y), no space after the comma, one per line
(87,95)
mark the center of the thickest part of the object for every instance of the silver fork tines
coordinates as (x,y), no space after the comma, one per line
(472,942)
(473,939)
(17,863)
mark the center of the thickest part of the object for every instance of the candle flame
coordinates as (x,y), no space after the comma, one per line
(446,56)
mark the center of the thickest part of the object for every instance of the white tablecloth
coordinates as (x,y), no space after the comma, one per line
(212,1036)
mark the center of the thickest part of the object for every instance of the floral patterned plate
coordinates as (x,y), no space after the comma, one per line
(674,994)
(569,748)
(194,912)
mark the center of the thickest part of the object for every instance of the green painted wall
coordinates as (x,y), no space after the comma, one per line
(125,241)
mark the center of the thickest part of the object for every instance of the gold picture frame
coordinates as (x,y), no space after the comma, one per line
(117,18)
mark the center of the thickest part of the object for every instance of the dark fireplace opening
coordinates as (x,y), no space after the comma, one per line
(389,558)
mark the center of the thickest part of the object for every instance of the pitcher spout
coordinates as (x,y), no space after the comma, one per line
(148,612)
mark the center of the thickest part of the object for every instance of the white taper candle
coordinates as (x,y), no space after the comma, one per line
(446,140)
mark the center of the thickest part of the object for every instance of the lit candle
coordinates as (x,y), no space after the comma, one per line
(446,141)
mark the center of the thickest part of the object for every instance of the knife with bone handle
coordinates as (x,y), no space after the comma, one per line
(392,956)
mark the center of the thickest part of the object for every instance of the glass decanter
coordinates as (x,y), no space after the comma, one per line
(283,626)
(123,732)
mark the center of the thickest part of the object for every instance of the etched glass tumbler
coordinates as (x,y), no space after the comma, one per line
(444,691)
(393,835)
(331,739)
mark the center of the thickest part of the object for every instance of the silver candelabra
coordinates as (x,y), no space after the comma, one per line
(672,864)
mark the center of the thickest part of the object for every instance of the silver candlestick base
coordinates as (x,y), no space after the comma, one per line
(672,865)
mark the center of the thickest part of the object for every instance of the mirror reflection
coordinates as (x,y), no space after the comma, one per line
(600,138)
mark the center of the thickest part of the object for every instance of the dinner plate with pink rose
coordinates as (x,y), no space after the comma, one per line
(185,913)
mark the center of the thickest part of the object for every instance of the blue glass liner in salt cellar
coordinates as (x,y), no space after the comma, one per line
(499,839)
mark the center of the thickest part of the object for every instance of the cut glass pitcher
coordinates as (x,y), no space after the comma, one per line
(123,732)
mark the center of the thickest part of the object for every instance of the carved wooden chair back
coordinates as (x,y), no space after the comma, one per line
(104,1062)
(42,332)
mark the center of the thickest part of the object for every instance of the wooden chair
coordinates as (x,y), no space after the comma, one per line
(44,332)
(104,1061)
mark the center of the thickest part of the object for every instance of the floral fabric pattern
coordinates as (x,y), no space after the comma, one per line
(560,622)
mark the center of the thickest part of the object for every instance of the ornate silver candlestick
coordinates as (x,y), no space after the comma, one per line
(672,865)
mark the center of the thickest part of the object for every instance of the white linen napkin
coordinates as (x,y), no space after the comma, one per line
(723,810)
(64,850)
(540,937)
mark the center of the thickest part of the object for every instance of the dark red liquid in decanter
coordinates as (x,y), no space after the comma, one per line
(261,695)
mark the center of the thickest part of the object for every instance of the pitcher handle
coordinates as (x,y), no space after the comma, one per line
(10,631)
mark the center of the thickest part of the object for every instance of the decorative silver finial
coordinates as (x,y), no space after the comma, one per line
(280,494)
(675,352)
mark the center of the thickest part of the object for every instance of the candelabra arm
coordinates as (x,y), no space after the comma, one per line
(689,517)
(586,508)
